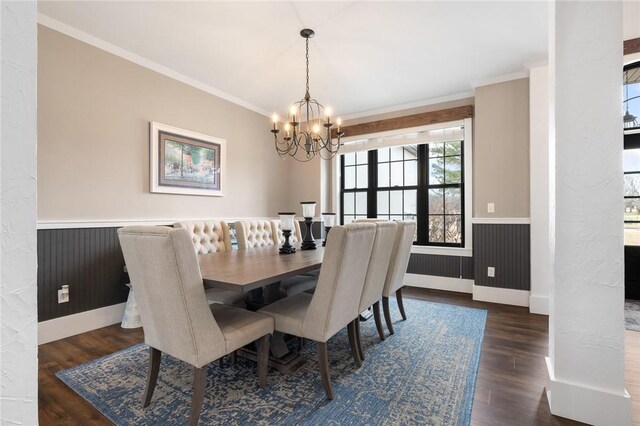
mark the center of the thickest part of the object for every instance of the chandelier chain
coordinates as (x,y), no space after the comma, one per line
(307,44)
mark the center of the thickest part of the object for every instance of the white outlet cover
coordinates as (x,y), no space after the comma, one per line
(491,208)
(491,271)
(63,297)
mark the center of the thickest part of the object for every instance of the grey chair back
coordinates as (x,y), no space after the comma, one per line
(379,264)
(166,279)
(399,257)
(336,299)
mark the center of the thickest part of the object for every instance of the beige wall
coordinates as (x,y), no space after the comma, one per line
(94,111)
(501,150)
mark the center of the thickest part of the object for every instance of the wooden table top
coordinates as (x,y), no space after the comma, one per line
(245,270)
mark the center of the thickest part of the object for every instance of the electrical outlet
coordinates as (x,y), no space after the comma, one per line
(491,208)
(491,271)
(63,294)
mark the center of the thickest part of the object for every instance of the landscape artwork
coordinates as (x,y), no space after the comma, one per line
(184,162)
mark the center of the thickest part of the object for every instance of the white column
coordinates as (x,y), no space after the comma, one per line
(18,314)
(540,190)
(586,345)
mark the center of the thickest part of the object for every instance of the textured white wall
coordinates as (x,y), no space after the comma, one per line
(586,362)
(539,189)
(18,315)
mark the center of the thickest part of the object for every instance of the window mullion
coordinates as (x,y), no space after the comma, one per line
(422,194)
(372,196)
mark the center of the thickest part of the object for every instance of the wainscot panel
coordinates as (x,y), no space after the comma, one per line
(441,266)
(506,247)
(89,261)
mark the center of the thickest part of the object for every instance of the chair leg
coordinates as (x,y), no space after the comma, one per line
(323,361)
(152,375)
(199,382)
(400,304)
(351,329)
(387,314)
(359,338)
(263,359)
(234,357)
(376,317)
(221,362)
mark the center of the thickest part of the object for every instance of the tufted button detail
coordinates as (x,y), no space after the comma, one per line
(207,236)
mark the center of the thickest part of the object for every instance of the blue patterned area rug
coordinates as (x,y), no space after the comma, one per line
(423,374)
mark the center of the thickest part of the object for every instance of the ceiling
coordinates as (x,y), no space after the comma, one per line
(365,56)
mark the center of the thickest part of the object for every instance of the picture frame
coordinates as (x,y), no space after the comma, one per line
(186,162)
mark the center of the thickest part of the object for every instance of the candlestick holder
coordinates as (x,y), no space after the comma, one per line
(287,248)
(286,223)
(308,210)
(329,220)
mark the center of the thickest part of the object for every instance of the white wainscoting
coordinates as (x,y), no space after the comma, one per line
(70,325)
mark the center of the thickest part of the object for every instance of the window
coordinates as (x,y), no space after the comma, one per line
(355,182)
(631,197)
(631,96)
(422,182)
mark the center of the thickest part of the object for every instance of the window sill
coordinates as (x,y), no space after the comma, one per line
(443,251)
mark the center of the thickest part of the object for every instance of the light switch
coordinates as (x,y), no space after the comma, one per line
(491,271)
(491,208)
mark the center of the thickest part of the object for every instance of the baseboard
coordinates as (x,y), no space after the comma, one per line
(505,296)
(587,405)
(539,305)
(459,285)
(70,325)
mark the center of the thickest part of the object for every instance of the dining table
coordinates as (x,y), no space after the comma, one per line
(249,270)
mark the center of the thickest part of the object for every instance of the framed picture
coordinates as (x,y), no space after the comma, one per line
(186,162)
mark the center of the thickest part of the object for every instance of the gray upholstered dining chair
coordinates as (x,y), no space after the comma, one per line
(210,236)
(254,233)
(176,318)
(376,275)
(336,300)
(397,269)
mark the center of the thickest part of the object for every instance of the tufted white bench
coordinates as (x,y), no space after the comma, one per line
(210,236)
(207,236)
(254,233)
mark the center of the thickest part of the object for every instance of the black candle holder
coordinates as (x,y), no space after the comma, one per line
(326,234)
(287,248)
(308,243)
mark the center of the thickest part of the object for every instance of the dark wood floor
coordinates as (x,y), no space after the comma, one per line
(509,389)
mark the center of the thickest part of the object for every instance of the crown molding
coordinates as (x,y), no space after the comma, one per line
(500,78)
(94,41)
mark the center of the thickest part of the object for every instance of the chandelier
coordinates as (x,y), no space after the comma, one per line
(307,130)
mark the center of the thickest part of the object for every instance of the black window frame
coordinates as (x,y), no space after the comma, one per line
(633,65)
(422,190)
(631,141)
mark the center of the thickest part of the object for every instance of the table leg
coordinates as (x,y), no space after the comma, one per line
(278,346)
